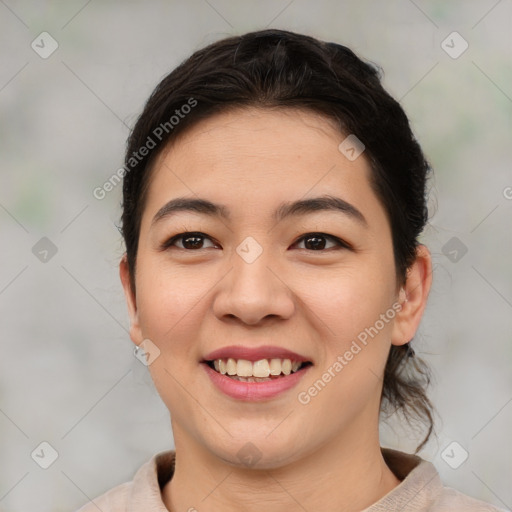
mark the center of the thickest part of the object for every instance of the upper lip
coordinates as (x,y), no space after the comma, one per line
(254,353)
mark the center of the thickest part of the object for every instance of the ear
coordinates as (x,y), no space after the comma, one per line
(413,297)
(131,302)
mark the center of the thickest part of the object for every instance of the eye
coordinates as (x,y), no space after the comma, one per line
(190,240)
(193,240)
(318,242)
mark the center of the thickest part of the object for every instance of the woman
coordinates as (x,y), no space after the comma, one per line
(273,199)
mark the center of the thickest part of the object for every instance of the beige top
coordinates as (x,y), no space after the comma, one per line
(420,490)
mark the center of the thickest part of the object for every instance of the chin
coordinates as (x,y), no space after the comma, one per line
(256,453)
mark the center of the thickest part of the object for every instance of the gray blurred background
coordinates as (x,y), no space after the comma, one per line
(68,374)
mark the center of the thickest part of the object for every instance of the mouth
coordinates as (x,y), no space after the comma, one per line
(254,374)
(261,370)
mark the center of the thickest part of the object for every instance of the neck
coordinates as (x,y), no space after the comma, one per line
(345,475)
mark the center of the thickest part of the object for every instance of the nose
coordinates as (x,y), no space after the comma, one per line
(253,293)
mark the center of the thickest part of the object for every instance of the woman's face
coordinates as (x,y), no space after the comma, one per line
(294,261)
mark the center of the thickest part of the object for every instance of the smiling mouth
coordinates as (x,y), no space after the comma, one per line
(262,370)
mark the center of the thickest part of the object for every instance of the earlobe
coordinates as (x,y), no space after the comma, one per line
(413,297)
(131,302)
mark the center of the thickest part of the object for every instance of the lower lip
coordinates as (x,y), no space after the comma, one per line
(254,391)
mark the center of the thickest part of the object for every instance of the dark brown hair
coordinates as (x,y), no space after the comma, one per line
(281,69)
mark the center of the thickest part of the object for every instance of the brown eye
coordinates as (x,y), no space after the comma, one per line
(189,241)
(319,241)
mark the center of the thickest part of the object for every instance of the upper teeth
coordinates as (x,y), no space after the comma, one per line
(261,368)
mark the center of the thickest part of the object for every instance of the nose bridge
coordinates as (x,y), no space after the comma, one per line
(251,272)
(252,290)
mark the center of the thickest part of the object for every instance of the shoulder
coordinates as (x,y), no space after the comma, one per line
(450,499)
(141,493)
(421,489)
(114,500)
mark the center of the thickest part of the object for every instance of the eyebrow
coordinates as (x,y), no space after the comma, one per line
(285,210)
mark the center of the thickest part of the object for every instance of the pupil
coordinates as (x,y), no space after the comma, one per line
(196,243)
(317,242)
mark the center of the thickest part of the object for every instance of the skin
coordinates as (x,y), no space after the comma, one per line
(324,455)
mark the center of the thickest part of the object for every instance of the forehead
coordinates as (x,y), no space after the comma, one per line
(253,133)
(255,157)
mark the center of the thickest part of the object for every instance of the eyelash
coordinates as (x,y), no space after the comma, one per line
(341,244)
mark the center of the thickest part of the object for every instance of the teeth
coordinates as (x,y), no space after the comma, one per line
(260,368)
(256,371)
(244,368)
(275,366)
(231,366)
(251,379)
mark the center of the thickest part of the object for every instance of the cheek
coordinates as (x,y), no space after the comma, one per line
(350,301)
(170,313)
(348,308)
(169,302)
